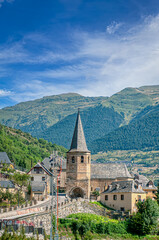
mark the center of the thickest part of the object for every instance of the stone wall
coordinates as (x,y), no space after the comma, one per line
(66,208)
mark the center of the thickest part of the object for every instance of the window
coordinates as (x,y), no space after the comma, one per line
(139,197)
(67,160)
(88,159)
(114,197)
(82,159)
(106,197)
(43,178)
(32,178)
(122,197)
(73,159)
(37,170)
(91,188)
(122,209)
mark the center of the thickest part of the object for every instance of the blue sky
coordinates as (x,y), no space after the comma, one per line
(92,47)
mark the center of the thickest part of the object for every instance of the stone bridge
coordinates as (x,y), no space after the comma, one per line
(43,217)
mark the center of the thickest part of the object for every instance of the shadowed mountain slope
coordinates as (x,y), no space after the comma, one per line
(96,122)
(140,134)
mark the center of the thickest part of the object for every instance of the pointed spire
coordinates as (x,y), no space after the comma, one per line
(78,140)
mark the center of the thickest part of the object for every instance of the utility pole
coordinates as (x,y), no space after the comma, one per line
(53,188)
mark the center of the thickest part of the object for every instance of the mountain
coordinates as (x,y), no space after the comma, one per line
(130,101)
(36,116)
(140,134)
(23,149)
(53,117)
(97,121)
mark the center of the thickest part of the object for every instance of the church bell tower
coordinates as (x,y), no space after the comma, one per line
(78,164)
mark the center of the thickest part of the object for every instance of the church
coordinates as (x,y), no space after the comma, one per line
(84,177)
(80,177)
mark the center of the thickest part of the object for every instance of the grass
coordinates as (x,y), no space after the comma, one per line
(101,205)
(68,233)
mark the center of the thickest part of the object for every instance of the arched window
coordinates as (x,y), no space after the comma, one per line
(73,159)
(82,159)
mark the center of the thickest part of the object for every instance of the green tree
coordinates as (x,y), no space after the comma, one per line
(146,219)
(157,194)
(20,179)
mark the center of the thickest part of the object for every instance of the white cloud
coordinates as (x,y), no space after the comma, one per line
(113,27)
(4,93)
(37,89)
(94,64)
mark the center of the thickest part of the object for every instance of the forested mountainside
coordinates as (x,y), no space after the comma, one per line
(130,101)
(140,134)
(96,122)
(22,148)
(36,116)
(53,117)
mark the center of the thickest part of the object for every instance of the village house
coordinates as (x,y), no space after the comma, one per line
(123,195)
(6,184)
(4,160)
(40,181)
(146,184)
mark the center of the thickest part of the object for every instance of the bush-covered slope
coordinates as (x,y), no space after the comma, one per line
(146,111)
(130,101)
(96,122)
(36,116)
(140,134)
(22,148)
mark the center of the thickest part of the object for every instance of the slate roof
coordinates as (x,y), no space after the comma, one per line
(124,186)
(109,171)
(43,167)
(48,161)
(38,186)
(145,182)
(7,184)
(78,141)
(4,158)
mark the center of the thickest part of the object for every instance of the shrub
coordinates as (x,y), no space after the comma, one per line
(145,220)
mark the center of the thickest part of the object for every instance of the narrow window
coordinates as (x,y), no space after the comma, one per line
(139,197)
(88,159)
(43,178)
(67,160)
(91,188)
(106,197)
(122,197)
(114,197)
(73,159)
(82,159)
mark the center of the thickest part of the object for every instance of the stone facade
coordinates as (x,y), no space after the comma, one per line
(78,174)
(123,196)
(43,217)
(78,171)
